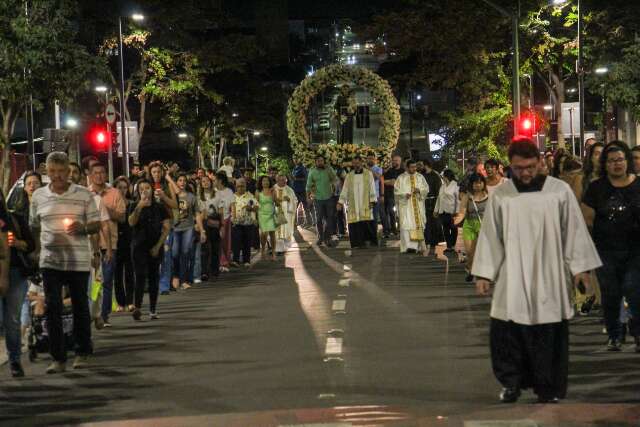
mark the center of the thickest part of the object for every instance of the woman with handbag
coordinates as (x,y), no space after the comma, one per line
(21,245)
(266,215)
(472,208)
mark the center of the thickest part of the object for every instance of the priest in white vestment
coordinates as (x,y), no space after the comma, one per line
(288,203)
(358,196)
(411,190)
(533,246)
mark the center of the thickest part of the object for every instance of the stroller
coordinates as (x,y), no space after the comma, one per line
(38,341)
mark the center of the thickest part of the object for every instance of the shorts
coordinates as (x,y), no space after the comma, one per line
(471,229)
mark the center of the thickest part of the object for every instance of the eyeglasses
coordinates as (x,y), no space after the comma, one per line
(531,168)
(616,161)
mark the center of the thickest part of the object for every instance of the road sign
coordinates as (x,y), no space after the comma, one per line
(110,114)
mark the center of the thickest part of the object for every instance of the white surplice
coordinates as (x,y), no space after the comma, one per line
(357,195)
(411,211)
(530,245)
(284,233)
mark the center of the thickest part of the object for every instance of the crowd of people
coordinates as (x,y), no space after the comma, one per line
(162,229)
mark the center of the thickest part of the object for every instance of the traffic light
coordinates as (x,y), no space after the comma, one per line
(98,137)
(528,124)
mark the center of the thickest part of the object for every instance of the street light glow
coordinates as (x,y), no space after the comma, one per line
(559,2)
(572,90)
(182,135)
(418,97)
(234,115)
(101,89)
(72,123)
(548,107)
(256,133)
(264,149)
(601,70)
(137,17)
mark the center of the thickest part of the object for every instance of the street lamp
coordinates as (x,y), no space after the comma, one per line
(71,123)
(123,127)
(105,90)
(548,107)
(601,70)
(264,149)
(234,115)
(182,135)
(256,133)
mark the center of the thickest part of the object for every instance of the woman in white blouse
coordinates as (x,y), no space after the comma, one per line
(447,207)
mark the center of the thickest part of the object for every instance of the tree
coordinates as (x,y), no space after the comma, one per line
(40,57)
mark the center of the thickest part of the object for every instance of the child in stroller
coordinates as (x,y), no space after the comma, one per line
(38,335)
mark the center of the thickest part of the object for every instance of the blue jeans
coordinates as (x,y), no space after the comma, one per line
(325,219)
(108,273)
(182,251)
(619,277)
(166,265)
(196,271)
(10,309)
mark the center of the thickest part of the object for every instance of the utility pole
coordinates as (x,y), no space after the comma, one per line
(515,28)
(580,71)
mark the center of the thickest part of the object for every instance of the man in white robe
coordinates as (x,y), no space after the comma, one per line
(359,196)
(411,190)
(288,203)
(533,242)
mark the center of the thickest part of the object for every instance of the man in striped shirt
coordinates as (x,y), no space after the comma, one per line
(62,216)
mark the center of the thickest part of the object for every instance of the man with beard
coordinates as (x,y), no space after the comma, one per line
(532,235)
(359,195)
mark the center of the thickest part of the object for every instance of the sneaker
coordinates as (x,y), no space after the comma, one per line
(548,399)
(107,324)
(196,281)
(99,323)
(614,345)
(509,395)
(234,264)
(469,278)
(153,315)
(637,340)
(16,370)
(81,362)
(247,264)
(587,306)
(319,242)
(56,367)
(137,314)
(185,286)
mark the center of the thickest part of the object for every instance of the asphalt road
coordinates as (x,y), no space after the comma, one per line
(324,336)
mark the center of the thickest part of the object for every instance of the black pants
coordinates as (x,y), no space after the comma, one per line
(389,216)
(361,232)
(325,219)
(147,272)
(340,220)
(241,236)
(124,281)
(536,356)
(619,277)
(211,252)
(77,281)
(450,230)
(432,230)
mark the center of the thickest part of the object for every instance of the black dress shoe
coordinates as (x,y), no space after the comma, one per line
(16,370)
(509,395)
(469,278)
(548,399)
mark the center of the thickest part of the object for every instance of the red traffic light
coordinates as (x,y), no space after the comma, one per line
(526,124)
(98,137)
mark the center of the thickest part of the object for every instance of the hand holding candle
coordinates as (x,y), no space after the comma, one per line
(73,227)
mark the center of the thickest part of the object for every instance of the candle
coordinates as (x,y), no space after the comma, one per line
(67,223)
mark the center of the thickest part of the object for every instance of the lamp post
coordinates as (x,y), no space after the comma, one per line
(515,23)
(105,90)
(123,127)
(255,133)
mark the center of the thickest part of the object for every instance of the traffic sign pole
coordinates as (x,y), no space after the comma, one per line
(110,116)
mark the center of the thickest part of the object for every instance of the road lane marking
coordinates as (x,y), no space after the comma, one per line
(339,305)
(333,347)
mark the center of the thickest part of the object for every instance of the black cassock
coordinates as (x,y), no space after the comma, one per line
(531,356)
